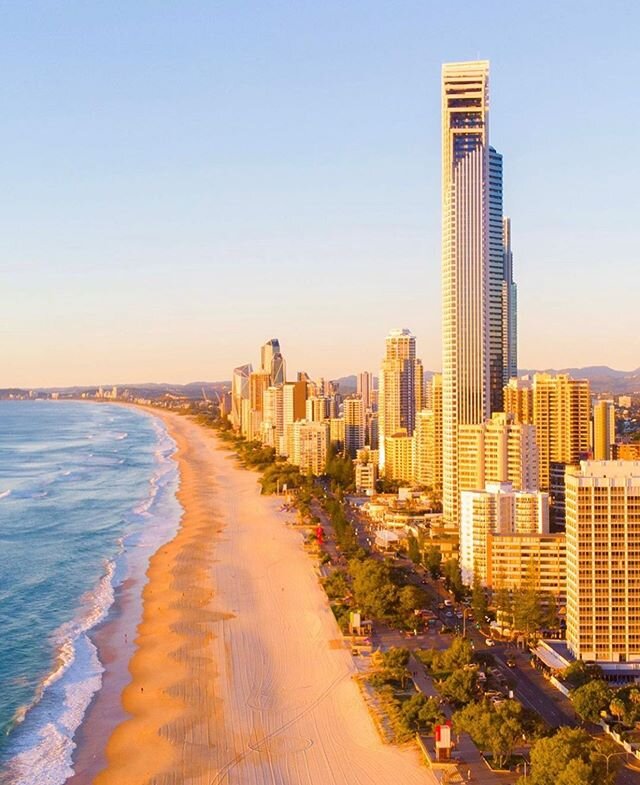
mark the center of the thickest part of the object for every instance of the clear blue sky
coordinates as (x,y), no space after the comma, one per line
(181,181)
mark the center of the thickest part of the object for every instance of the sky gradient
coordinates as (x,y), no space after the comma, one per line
(183,181)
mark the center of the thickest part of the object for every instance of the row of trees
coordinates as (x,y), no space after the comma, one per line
(407,712)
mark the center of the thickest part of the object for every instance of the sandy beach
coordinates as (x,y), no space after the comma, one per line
(238,675)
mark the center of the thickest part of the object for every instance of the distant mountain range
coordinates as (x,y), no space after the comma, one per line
(602,378)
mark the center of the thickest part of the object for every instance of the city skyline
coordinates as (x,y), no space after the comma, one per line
(191,179)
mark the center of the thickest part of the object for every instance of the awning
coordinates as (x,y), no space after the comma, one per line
(550,658)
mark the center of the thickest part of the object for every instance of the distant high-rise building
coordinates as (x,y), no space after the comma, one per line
(259,381)
(561,415)
(604,430)
(317,408)
(399,456)
(239,392)
(397,388)
(273,416)
(364,386)
(354,425)
(518,399)
(603,554)
(294,397)
(310,446)
(272,361)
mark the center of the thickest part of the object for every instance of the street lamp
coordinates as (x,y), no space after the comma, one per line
(608,757)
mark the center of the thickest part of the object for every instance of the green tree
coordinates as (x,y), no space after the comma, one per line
(336,585)
(579,673)
(527,602)
(433,561)
(478,600)
(373,590)
(497,729)
(413,549)
(459,653)
(453,578)
(410,598)
(461,686)
(570,757)
(421,713)
(590,699)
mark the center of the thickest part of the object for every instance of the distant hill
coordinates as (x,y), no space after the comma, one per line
(602,378)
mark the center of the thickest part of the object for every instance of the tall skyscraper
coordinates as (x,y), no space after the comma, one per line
(397,388)
(465,262)
(272,361)
(478,294)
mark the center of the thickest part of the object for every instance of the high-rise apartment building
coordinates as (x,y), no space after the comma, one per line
(474,262)
(364,386)
(273,416)
(353,411)
(310,446)
(399,456)
(518,399)
(396,388)
(294,397)
(603,562)
(498,451)
(561,415)
(317,408)
(427,449)
(604,430)
(498,510)
(259,381)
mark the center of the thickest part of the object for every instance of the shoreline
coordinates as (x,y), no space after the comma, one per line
(236,676)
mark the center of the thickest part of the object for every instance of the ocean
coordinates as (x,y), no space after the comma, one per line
(87,494)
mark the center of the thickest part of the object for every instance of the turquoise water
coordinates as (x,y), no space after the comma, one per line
(82,487)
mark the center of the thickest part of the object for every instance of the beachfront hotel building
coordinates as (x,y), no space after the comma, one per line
(603,563)
(396,389)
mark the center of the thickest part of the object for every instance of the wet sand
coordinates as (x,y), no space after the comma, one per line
(237,677)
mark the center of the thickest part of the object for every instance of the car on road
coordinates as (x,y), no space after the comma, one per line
(511,663)
(449,614)
(490,642)
(448,603)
